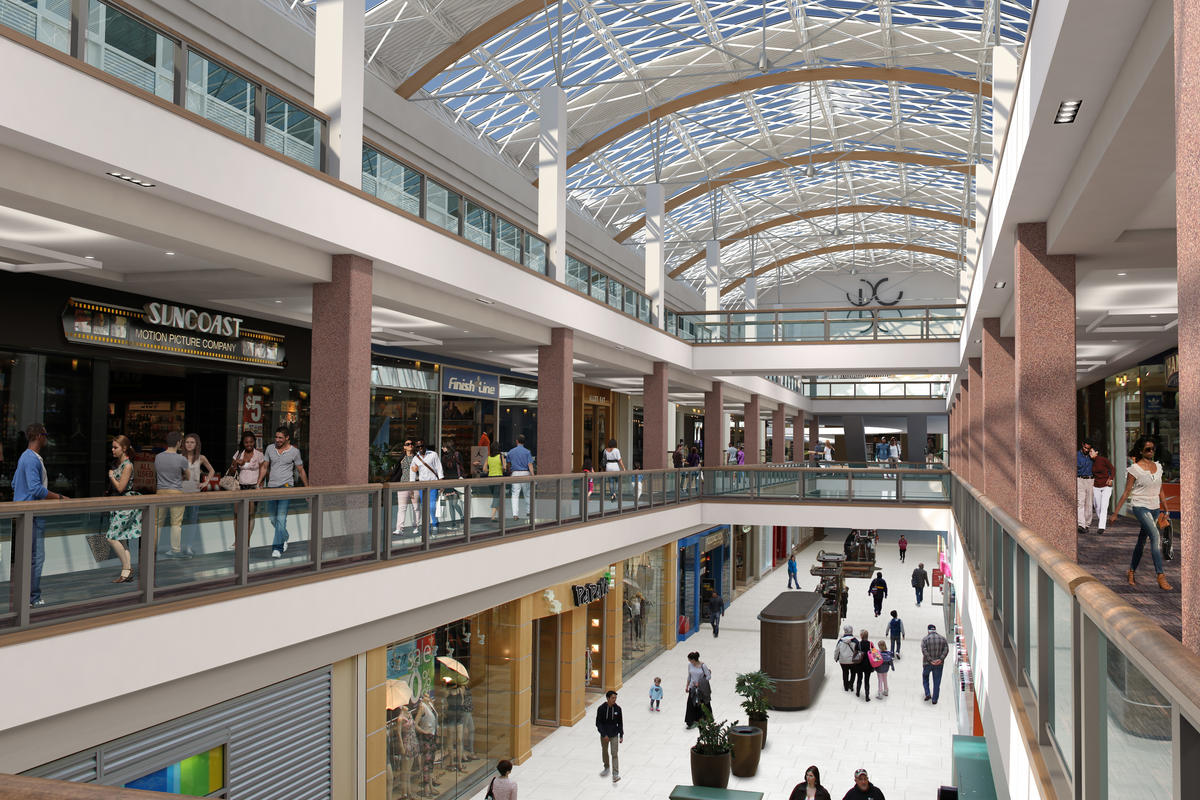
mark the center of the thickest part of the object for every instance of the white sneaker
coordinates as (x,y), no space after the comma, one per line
(604,772)
(276,554)
(285,547)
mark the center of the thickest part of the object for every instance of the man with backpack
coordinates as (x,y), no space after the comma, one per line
(895,630)
(847,656)
(878,592)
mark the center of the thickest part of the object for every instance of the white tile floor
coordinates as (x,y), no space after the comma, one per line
(901,740)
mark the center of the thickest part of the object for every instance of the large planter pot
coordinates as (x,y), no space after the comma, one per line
(746,741)
(760,723)
(712,771)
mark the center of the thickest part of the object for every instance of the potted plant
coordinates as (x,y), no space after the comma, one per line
(754,688)
(710,755)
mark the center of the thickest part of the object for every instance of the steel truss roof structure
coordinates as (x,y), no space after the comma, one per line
(779,127)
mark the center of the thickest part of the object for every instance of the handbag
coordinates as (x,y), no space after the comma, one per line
(490,793)
(98,544)
(874,658)
(230,483)
(1168,544)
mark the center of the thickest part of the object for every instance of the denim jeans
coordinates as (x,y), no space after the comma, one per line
(1147,518)
(936,672)
(278,511)
(920,593)
(895,640)
(433,520)
(793,579)
(39,559)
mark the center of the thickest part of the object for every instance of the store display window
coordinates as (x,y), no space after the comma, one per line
(267,405)
(688,602)
(201,775)
(448,707)
(1143,402)
(641,614)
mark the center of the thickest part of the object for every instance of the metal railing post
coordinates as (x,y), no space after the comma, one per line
(383,522)
(424,524)
(558,501)
(466,490)
(315,523)
(148,553)
(241,539)
(79,26)
(849,485)
(899,487)
(22,573)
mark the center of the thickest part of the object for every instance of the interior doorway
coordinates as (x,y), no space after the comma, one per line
(544,708)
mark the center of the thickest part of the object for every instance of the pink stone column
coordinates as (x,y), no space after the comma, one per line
(556,387)
(778,433)
(999,403)
(340,412)
(654,430)
(1044,361)
(752,427)
(814,432)
(975,423)
(714,412)
(1187,215)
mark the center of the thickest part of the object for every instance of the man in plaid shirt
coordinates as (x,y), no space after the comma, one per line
(934,650)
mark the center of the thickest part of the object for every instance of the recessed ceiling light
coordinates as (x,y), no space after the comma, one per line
(131,179)
(89,257)
(170,252)
(1067,111)
(1122,274)
(278,301)
(485,301)
(1154,316)
(1000,284)
(978,341)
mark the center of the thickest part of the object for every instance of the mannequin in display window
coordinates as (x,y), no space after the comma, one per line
(403,751)
(468,724)
(426,724)
(452,728)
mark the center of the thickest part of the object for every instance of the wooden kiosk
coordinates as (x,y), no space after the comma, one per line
(790,649)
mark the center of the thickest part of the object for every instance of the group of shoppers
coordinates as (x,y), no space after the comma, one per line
(859,658)
(811,788)
(180,467)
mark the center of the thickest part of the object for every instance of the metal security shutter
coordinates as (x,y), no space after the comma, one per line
(278,743)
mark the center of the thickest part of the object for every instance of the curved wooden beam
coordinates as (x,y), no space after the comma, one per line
(753,83)
(908,211)
(469,41)
(841,248)
(799,161)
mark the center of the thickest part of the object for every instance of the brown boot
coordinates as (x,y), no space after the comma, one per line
(1162,583)
(1129,576)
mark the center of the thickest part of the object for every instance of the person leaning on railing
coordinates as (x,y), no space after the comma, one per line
(30,482)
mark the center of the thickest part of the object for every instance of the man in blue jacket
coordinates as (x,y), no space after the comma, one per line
(1083,487)
(611,725)
(30,482)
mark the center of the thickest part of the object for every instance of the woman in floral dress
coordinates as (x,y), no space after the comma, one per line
(126,523)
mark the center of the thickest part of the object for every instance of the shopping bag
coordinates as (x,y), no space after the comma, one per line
(98,544)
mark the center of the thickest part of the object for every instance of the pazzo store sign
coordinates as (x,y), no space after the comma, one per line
(175,330)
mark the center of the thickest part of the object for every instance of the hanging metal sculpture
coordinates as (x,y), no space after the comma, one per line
(874,299)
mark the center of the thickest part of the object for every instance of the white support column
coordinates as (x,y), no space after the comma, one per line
(552,179)
(338,85)
(656,274)
(712,276)
(750,289)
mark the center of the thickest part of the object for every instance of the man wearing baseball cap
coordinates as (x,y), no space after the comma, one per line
(863,789)
(934,650)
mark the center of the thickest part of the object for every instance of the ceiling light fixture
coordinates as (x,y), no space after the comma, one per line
(1122,274)
(278,301)
(485,301)
(1000,284)
(1067,111)
(90,257)
(131,179)
(170,252)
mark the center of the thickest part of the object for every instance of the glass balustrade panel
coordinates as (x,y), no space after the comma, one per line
(129,49)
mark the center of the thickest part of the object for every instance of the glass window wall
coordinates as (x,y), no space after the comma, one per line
(391,181)
(642,612)
(535,253)
(129,49)
(1137,736)
(477,225)
(292,131)
(220,95)
(442,206)
(1062,693)
(48,21)
(508,240)
(449,704)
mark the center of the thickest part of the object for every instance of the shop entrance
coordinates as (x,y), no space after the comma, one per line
(464,421)
(693,431)
(741,552)
(545,671)
(593,407)
(779,548)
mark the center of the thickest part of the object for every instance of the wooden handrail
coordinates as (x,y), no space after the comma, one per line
(19,787)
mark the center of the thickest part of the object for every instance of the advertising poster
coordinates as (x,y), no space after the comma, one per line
(413,661)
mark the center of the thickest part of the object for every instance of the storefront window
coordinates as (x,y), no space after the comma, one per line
(269,405)
(689,597)
(202,775)
(464,421)
(448,708)
(642,613)
(58,392)
(1143,402)
(594,671)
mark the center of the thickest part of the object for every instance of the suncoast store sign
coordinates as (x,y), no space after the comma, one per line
(172,329)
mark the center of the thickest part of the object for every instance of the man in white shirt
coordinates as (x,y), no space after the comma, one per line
(426,466)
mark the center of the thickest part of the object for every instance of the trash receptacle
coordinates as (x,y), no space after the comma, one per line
(746,742)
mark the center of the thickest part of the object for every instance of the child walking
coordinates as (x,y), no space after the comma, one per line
(883,669)
(656,695)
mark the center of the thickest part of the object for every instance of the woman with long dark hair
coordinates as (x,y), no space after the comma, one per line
(699,690)
(1143,490)
(123,524)
(811,788)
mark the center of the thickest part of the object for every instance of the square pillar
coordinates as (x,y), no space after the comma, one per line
(552,179)
(975,423)
(509,630)
(1044,361)
(614,634)
(917,428)
(814,433)
(778,434)
(338,85)
(999,405)
(670,595)
(855,435)
(752,429)
(340,428)
(714,414)
(656,272)
(572,663)
(655,439)
(1187,213)
(556,388)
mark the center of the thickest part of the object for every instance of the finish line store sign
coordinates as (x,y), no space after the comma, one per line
(172,329)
